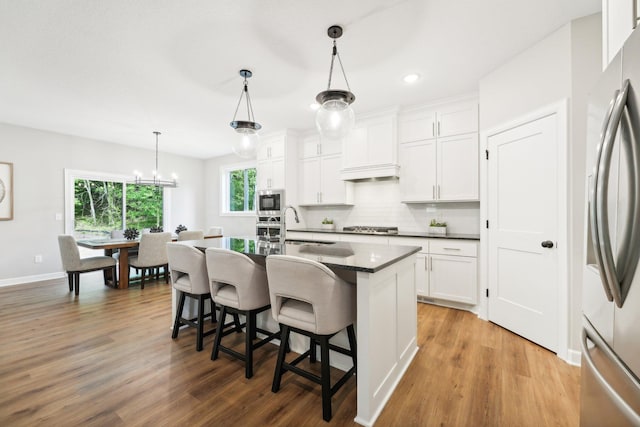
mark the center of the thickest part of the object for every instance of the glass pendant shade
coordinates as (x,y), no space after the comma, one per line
(335,119)
(246,143)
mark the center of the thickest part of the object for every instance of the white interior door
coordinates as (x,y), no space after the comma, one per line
(523,191)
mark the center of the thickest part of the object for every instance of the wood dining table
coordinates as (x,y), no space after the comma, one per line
(123,245)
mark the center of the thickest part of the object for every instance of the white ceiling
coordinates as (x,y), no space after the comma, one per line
(117,70)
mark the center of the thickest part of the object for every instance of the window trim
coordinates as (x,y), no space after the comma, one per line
(224,189)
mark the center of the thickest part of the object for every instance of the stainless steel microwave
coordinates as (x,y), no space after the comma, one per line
(270,202)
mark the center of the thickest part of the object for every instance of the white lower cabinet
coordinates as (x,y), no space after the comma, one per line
(453,278)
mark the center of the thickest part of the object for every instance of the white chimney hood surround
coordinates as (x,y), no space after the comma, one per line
(371,149)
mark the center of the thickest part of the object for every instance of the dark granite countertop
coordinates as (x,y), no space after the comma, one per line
(400,234)
(364,257)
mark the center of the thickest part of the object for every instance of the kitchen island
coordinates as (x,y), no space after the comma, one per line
(386,325)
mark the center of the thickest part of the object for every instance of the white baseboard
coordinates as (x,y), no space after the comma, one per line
(31,279)
(574,357)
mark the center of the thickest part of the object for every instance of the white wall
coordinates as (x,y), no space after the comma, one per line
(232,225)
(563,65)
(39,159)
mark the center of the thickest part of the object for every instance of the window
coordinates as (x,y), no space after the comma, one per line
(238,189)
(103,202)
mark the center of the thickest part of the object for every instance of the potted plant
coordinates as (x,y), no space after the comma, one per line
(327,224)
(436,227)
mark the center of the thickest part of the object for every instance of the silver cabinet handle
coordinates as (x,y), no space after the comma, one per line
(588,333)
(438,191)
(433,128)
(318,149)
(433,192)
(452,249)
(438,127)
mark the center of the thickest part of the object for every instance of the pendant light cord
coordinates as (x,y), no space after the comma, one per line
(335,53)
(245,91)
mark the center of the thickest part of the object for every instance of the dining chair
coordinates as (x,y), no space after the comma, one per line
(191,235)
(74,265)
(310,299)
(152,254)
(119,234)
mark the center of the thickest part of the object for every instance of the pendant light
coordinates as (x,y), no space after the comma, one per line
(157,180)
(335,117)
(247,143)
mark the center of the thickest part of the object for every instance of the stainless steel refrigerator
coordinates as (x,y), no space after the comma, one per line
(610,380)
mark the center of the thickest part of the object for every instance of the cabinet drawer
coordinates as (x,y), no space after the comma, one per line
(411,241)
(453,247)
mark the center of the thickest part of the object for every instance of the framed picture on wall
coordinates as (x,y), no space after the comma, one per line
(6,191)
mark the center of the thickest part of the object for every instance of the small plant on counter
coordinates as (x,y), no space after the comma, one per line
(327,221)
(327,224)
(180,228)
(438,228)
(435,223)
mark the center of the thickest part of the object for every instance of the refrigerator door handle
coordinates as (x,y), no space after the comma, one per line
(595,197)
(588,333)
(602,185)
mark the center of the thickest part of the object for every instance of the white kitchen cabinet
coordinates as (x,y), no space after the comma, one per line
(371,149)
(443,165)
(619,18)
(319,174)
(453,278)
(276,162)
(438,121)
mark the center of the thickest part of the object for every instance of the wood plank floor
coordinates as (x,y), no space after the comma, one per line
(107,358)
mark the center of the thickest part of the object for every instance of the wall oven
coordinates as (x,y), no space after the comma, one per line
(270,202)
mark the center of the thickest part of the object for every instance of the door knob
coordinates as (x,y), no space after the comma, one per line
(547,244)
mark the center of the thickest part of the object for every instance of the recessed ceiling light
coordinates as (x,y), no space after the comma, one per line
(411,78)
(314,106)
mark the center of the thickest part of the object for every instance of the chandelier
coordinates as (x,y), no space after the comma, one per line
(157,180)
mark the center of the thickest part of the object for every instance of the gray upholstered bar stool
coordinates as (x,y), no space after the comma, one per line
(189,278)
(308,298)
(239,286)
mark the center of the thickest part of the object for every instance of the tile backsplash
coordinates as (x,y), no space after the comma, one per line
(377,203)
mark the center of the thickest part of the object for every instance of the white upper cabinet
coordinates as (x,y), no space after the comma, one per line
(619,18)
(319,173)
(438,153)
(276,163)
(371,149)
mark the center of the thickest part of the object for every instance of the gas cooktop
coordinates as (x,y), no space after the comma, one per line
(365,229)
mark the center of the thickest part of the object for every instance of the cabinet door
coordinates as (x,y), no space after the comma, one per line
(381,146)
(277,173)
(422,276)
(417,127)
(263,175)
(418,171)
(457,119)
(332,188)
(453,278)
(330,146)
(458,168)
(355,148)
(310,146)
(309,185)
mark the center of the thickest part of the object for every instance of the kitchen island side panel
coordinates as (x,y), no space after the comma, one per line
(387,334)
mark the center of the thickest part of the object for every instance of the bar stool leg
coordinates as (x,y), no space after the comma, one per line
(312,350)
(325,378)
(354,347)
(277,376)
(216,343)
(200,331)
(176,322)
(248,342)
(70,277)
